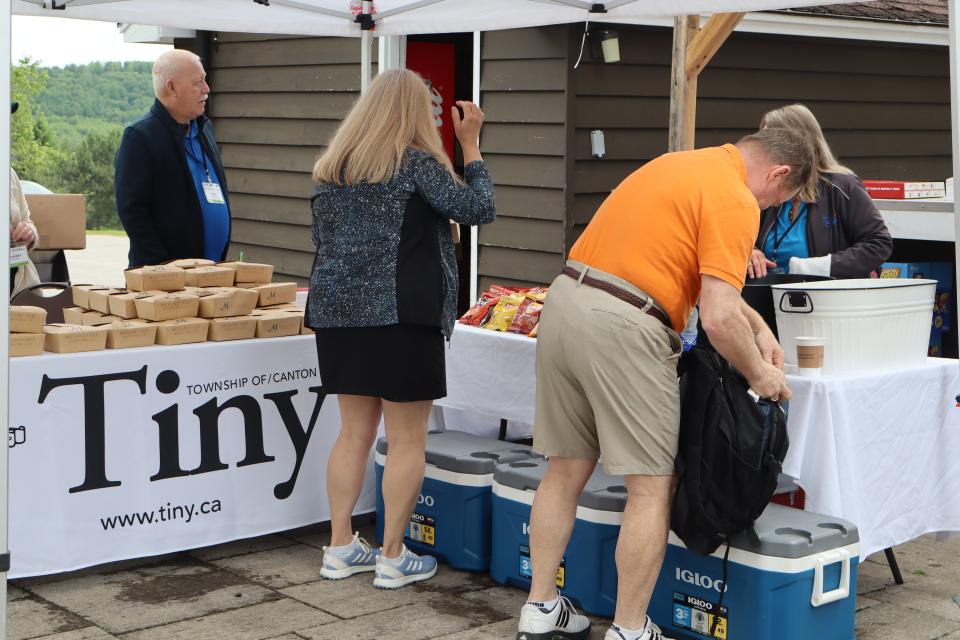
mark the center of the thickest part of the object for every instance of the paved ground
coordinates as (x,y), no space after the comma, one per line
(102,262)
(270,588)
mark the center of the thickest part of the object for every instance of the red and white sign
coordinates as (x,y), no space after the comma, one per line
(900,190)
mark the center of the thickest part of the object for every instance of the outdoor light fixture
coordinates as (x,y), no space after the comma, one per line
(610,45)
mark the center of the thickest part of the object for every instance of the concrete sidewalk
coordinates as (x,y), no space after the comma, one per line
(270,587)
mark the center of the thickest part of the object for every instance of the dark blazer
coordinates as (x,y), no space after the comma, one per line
(156,198)
(843,222)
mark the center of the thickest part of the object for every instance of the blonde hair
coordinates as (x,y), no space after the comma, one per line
(369,145)
(800,119)
(169,66)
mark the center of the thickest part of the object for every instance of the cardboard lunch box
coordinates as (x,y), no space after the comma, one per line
(87,317)
(278,325)
(182,331)
(70,338)
(235,328)
(209,276)
(124,304)
(26,319)
(224,303)
(99,299)
(26,344)
(159,277)
(190,263)
(275,293)
(81,293)
(127,334)
(61,220)
(167,306)
(250,272)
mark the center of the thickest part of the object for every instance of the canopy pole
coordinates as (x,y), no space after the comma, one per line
(475,230)
(953,16)
(5,311)
(366,59)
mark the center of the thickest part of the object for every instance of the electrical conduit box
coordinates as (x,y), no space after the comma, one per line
(452,517)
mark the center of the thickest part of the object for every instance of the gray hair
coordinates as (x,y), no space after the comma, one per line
(169,66)
(788,147)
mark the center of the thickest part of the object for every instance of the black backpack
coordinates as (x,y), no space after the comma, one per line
(730,453)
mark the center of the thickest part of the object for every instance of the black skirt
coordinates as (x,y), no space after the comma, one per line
(399,363)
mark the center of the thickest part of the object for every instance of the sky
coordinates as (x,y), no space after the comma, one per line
(56,42)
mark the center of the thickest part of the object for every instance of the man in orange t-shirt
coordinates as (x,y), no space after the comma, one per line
(678,230)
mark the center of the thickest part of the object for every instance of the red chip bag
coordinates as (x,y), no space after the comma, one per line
(528,315)
(478,312)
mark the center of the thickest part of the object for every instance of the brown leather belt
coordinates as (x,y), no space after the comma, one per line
(644,304)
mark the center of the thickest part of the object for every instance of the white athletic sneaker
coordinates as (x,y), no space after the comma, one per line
(655,633)
(560,623)
(393,573)
(343,562)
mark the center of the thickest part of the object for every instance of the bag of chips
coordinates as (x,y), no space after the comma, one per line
(504,312)
(538,293)
(533,334)
(478,312)
(528,315)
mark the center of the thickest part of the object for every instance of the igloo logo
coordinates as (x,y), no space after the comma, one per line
(698,580)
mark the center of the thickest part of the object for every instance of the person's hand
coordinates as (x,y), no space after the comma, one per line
(769,348)
(467,128)
(771,383)
(758,264)
(22,233)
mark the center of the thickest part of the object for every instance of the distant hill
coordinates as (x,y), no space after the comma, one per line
(93,98)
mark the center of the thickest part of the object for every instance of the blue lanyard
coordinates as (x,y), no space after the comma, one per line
(202,160)
(778,241)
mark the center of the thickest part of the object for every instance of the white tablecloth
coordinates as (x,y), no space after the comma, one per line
(490,375)
(881,450)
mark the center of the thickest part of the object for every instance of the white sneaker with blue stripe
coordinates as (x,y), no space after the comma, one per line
(393,573)
(343,562)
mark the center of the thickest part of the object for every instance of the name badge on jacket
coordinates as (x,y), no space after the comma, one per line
(213,193)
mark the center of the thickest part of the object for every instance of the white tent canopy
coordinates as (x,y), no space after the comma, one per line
(393,17)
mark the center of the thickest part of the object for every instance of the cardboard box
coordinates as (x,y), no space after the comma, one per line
(225,303)
(901,190)
(81,293)
(182,331)
(235,328)
(276,293)
(250,272)
(167,306)
(69,338)
(24,319)
(125,335)
(190,263)
(278,325)
(210,277)
(61,220)
(160,277)
(86,318)
(99,299)
(26,344)
(124,304)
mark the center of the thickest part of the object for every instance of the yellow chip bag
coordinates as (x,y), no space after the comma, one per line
(503,313)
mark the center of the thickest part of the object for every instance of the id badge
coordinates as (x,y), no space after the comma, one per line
(18,256)
(213,193)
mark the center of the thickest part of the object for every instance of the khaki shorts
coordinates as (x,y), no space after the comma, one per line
(606,380)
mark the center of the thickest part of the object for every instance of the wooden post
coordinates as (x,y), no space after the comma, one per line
(678,82)
(689,117)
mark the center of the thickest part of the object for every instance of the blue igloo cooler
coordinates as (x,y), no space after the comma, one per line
(451,519)
(798,581)
(587,574)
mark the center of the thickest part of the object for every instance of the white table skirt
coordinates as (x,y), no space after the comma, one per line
(881,450)
(146,466)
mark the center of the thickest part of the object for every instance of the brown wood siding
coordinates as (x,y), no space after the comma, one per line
(523,83)
(884,107)
(275,102)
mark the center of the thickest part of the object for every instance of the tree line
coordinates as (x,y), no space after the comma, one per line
(66,132)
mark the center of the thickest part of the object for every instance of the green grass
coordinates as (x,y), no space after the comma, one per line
(106,232)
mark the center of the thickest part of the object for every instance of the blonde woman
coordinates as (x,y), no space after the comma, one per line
(832,228)
(383,295)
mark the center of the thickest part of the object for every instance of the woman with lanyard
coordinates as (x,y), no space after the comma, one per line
(832,228)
